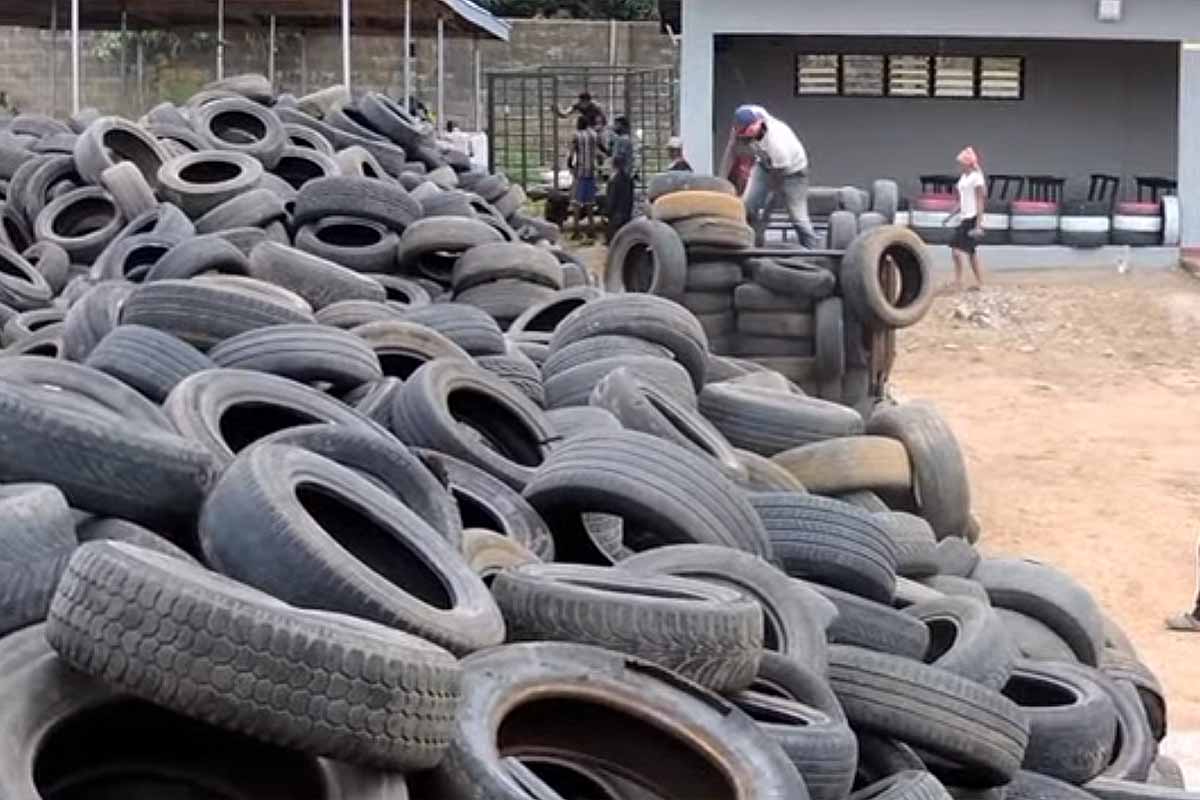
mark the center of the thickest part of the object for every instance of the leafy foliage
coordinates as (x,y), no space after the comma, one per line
(574,9)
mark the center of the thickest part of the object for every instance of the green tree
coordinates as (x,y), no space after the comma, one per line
(575,9)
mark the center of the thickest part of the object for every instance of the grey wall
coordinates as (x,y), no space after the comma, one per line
(1090,106)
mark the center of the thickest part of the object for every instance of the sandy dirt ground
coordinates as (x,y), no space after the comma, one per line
(1077,400)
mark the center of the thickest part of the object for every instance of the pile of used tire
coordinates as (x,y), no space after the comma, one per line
(826,323)
(299,524)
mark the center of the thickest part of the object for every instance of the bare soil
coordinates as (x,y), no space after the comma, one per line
(1075,397)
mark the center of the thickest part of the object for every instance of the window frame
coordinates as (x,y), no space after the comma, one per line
(931,94)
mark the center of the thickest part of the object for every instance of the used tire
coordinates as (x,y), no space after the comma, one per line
(862,287)
(710,231)
(303,353)
(707,633)
(382,201)
(403,347)
(358,244)
(483,264)
(646,256)
(797,278)
(146,359)
(1034,639)
(574,386)
(36,543)
(242,126)
(949,716)
(849,463)
(875,626)
(596,348)
(110,140)
(318,280)
(488,553)
(468,327)
(670,182)
(81,222)
(328,538)
(199,182)
(692,203)
(968,639)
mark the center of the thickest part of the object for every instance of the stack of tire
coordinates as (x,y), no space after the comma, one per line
(1138,224)
(826,324)
(271,526)
(1033,222)
(1085,224)
(930,217)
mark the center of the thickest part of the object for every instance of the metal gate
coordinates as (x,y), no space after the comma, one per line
(528,140)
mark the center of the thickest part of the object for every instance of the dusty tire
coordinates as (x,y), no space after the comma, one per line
(797,278)
(318,280)
(242,126)
(861,282)
(829,542)
(692,203)
(596,348)
(403,347)
(875,626)
(646,256)
(194,256)
(309,548)
(709,231)
(413,697)
(949,716)
(916,547)
(199,182)
(707,633)
(939,471)
(488,553)
(146,359)
(381,201)
(37,542)
(110,140)
(541,319)
(357,244)
(846,464)
(81,222)
(956,556)
(968,639)
(131,192)
(303,353)
(667,183)
(468,327)
(1034,639)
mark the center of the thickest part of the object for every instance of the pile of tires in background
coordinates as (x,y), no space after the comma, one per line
(826,323)
(281,517)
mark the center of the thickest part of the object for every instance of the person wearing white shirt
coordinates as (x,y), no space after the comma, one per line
(972,199)
(780,171)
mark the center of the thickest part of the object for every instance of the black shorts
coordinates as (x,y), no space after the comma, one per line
(963,240)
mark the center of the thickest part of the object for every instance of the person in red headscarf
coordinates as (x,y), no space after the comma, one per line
(972,199)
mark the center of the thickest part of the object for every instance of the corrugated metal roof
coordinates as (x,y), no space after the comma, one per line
(367,16)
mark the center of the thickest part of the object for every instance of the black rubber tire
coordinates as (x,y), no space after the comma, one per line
(798,278)
(956,556)
(670,182)
(488,553)
(112,529)
(501,261)
(199,182)
(1120,666)
(754,297)
(106,395)
(256,208)
(916,547)
(880,757)
(1050,596)
(37,541)
(197,255)
(939,470)
(25,324)
(402,290)
(82,222)
(834,466)
(707,302)
(487,502)
(300,165)
(358,244)
(573,386)
(318,280)
(464,411)
(875,626)
(303,353)
(951,717)
(250,85)
(571,421)
(131,192)
(110,140)
(403,347)
(519,371)
(227,410)
(830,542)
(384,202)
(954,586)
(794,616)
(22,288)
(148,360)
(433,235)
(1111,789)
(713,276)
(412,698)
(860,277)
(46,342)
(780,324)
(710,634)
(843,227)
(51,261)
(204,314)
(795,706)
(914,784)
(641,405)
(1034,640)
(30,190)
(595,348)
(97,459)
(240,125)
(468,327)
(724,751)
(310,548)
(1134,749)
(968,639)
(830,346)
(1166,772)
(90,318)
(352,314)
(374,399)
(504,301)
(541,319)
(654,319)
(391,119)
(714,232)
(1033,786)
(646,256)
(1072,721)
(864,499)
(642,480)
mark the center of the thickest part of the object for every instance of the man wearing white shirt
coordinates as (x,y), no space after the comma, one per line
(780,171)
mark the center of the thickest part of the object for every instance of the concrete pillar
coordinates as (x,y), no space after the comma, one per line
(696,88)
(1189,133)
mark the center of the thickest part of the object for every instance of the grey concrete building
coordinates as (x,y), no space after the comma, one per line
(878,88)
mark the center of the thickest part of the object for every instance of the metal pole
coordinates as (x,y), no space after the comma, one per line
(478,85)
(271,54)
(220,40)
(303,62)
(407,54)
(346,44)
(441,71)
(124,67)
(141,75)
(53,56)
(74,56)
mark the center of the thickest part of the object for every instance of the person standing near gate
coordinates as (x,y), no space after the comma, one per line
(620,186)
(581,161)
(780,172)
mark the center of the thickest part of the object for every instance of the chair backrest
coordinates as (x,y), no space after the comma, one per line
(1005,187)
(1103,188)
(938,184)
(1045,188)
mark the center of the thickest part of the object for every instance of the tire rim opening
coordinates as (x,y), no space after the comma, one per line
(243,424)
(901,261)
(475,514)
(771,710)
(133,750)
(1034,692)
(38,324)
(400,364)
(236,127)
(349,234)
(298,171)
(11,269)
(210,171)
(548,319)
(125,146)
(688,428)
(141,258)
(16,237)
(84,217)
(499,427)
(637,270)
(943,633)
(48,349)
(571,780)
(380,549)
(615,739)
